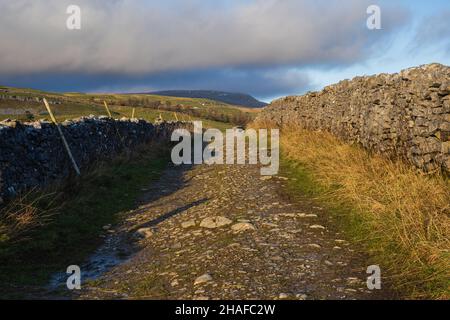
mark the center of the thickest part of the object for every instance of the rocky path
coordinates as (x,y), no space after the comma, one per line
(224,232)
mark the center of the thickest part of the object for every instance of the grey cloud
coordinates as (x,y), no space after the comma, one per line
(139,37)
(263,83)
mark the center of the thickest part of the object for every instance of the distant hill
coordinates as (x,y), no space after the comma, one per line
(239,99)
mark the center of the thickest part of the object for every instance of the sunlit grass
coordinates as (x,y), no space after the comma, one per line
(399,214)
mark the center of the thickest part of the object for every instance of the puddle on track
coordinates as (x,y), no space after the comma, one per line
(112,252)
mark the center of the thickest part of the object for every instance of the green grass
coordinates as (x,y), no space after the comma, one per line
(99,198)
(148,107)
(70,111)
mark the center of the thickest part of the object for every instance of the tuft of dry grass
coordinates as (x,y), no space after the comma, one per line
(402,214)
(25,213)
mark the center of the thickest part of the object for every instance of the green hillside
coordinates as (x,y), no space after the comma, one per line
(26,105)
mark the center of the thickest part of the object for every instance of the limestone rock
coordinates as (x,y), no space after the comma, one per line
(242,227)
(144,233)
(307,215)
(317,226)
(215,222)
(188,224)
(203,279)
(328,263)
(314,246)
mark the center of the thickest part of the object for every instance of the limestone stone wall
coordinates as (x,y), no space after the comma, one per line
(32,154)
(406,114)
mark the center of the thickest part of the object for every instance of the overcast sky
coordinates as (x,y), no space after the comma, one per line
(268,48)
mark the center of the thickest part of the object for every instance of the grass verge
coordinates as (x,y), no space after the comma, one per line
(399,215)
(63,228)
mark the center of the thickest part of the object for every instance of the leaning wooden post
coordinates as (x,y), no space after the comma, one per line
(107,109)
(176,117)
(66,145)
(133,113)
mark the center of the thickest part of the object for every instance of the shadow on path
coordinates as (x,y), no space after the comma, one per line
(170,214)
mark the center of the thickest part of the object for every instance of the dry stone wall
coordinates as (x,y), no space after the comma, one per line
(405,114)
(32,154)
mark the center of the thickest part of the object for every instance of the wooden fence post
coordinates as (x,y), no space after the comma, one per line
(107,109)
(133,113)
(66,145)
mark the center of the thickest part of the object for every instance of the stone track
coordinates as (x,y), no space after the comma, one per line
(262,246)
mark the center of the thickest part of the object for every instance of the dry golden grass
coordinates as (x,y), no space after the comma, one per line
(23,214)
(403,213)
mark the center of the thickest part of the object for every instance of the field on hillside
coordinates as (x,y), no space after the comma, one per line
(26,105)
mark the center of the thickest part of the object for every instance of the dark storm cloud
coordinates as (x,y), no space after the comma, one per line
(252,46)
(263,83)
